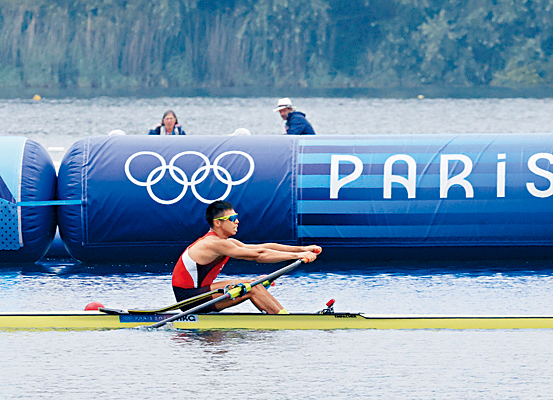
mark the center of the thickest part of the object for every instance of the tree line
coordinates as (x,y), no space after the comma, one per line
(275,43)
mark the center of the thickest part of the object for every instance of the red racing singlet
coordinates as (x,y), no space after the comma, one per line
(188,274)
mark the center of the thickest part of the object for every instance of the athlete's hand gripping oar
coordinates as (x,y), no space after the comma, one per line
(237,291)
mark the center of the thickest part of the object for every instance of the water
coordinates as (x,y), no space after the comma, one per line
(61,122)
(283,365)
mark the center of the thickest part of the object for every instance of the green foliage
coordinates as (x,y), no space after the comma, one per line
(9,76)
(275,43)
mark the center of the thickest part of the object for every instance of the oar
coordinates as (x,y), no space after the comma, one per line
(238,290)
(184,302)
(181,303)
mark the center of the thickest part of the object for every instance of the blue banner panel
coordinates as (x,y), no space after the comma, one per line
(144,198)
(426,190)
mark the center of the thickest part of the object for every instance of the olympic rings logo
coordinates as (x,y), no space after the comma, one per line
(222,174)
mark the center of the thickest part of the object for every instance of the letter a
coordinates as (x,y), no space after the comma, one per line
(409,182)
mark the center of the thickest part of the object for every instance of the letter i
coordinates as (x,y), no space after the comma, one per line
(501,175)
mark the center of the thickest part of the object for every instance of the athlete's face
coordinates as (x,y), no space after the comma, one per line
(227,225)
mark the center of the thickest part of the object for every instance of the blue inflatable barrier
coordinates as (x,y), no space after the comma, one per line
(27,185)
(144,198)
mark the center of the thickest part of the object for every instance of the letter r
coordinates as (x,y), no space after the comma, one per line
(446,182)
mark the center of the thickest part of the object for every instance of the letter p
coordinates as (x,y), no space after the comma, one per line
(335,182)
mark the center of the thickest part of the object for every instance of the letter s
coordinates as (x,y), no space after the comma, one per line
(533,167)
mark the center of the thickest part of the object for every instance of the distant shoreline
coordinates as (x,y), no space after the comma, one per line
(248,92)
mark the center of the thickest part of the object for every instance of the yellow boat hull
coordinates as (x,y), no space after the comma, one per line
(89,320)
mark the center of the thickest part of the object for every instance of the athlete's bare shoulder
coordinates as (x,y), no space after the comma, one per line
(205,249)
(208,242)
(236,242)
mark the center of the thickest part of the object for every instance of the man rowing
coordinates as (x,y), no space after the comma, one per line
(203,260)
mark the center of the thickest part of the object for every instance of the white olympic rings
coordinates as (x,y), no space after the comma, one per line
(180,176)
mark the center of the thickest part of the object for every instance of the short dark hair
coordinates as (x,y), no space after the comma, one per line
(215,209)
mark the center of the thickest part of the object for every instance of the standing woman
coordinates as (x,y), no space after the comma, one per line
(169,125)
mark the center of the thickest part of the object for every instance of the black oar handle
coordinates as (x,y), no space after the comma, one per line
(231,294)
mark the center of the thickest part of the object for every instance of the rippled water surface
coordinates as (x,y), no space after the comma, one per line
(61,122)
(285,364)
(170,364)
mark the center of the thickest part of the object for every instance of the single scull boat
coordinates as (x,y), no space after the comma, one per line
(107,318)
(97,320)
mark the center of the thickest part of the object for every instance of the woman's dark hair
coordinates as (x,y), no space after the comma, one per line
(216,209)
(166,113)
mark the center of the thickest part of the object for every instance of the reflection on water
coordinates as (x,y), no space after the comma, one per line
(280,365)
(214,340)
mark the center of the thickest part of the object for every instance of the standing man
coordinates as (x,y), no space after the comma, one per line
(296,123)
(204,259)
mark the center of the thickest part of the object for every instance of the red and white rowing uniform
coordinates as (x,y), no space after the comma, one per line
(188,274)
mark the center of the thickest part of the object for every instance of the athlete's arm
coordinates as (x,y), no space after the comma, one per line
(280,247)
(236,249)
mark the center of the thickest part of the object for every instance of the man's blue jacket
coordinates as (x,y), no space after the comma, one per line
(297,124)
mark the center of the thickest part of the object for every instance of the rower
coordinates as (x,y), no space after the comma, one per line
(202,261)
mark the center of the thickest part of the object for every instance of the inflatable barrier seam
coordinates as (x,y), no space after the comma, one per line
(295,188)
(84,188)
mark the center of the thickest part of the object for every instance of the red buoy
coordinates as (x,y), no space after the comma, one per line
(94,306)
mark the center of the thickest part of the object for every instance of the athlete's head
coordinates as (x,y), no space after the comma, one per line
(217,209)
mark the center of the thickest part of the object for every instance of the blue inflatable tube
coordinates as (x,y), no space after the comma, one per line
(144,198)
(27,189)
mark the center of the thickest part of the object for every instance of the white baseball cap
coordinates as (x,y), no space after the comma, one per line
(285,102)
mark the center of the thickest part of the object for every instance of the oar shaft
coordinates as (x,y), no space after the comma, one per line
(191,311)
(181,303)
(271,277)
(231,294)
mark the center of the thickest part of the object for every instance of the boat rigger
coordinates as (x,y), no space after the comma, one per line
(97,320)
